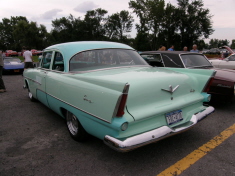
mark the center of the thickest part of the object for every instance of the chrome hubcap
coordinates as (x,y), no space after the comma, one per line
(72,123)
(30,95)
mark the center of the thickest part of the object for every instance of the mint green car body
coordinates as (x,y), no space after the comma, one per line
(93,94)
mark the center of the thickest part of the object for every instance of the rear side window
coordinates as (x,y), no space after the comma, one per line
(105,58)
(197,60)
(231,58)
(172,60)
(58,63)
(154,60)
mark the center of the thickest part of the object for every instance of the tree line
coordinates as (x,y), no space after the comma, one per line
(160,23)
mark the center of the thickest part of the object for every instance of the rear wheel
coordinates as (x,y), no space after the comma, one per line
(75,128)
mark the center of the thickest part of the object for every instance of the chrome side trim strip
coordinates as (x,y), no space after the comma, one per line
(154,135)
(75,107)
(32,80)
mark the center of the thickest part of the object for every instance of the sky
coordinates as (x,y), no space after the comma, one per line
(44,11)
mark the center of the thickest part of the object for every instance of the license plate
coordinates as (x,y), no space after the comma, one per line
(16,70)
(174,117)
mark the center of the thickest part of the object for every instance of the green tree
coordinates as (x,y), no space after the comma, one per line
(169,28)
(233,44)
(29,34)
(67,29)
(94,23)
(181,25)
(194,21)
(150,13)
(118,25)
(216,43)
(7,27)
(201,44)
(213,43)
(18,32)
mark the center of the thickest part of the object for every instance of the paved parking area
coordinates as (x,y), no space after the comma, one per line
(34,141)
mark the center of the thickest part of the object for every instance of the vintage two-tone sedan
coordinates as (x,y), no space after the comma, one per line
(107,90)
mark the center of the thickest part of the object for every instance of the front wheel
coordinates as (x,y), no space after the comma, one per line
(75,128)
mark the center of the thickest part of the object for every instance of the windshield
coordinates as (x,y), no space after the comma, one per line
(196,60)
(105,58)
(11,60)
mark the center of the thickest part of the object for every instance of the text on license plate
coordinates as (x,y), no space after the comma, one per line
(16,70)
(174,117)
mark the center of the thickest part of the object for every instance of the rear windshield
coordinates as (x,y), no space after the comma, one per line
(195,60)
(106,58)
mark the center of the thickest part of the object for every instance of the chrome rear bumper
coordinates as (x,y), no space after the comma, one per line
(154,135)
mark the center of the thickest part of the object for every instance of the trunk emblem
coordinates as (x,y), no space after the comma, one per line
(171,89)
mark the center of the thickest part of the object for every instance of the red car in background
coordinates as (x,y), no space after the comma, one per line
(36,52)
(10,53)
(229,52)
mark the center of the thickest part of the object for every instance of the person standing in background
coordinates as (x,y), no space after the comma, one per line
(171,48)
(185,48)
(2,86)
(28,59)
(194,50)
(162,48)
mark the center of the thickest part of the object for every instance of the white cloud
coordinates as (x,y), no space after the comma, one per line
(44,11)
(85,6)
(50,14)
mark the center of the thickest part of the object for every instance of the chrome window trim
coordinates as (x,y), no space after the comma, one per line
(109,68)
(62,72)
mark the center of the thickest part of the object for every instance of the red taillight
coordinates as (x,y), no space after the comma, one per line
(122,102)
(122,105)
(207,87)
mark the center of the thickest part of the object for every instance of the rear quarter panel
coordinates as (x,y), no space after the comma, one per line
(96,100)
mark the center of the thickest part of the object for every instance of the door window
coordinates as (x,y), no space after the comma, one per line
(46,60)
(231,58)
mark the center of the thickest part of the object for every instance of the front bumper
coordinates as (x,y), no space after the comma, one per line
(154,135)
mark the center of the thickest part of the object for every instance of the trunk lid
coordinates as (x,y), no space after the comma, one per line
(146,96)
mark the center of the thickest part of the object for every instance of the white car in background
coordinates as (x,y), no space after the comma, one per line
(227,63)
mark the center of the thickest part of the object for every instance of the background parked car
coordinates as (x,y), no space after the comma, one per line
(222,87)
(13,65)
(107,90)
(213,51)
(10,53)
(36,52)
(227,63)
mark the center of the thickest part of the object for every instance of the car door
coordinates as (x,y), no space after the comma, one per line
(41,77)
(229,63)
(55,81)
